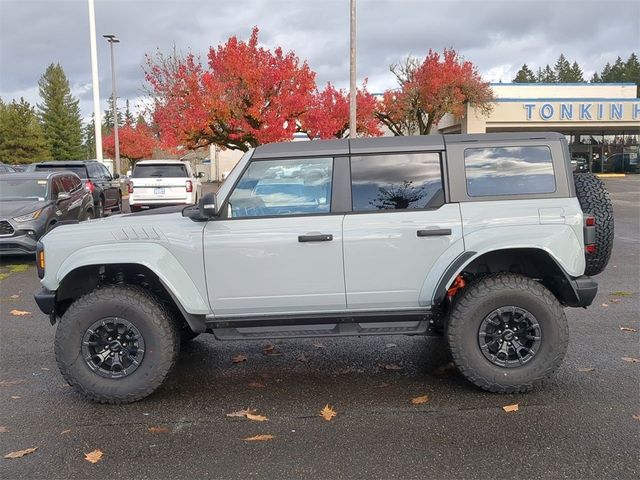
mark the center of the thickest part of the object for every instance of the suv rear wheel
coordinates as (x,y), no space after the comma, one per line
(116,344)
(507,333)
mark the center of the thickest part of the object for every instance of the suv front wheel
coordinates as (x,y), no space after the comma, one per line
(116,344)
(507,333)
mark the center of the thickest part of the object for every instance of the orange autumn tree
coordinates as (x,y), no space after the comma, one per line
(246,95)
(428,90)
(136,142)
(327,116)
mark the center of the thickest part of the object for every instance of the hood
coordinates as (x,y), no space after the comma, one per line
(15,208)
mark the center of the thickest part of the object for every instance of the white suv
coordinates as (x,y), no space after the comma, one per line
(159,183)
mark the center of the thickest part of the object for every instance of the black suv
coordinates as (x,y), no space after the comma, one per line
(97,179)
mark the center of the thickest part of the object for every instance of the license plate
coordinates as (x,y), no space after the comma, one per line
(158,191)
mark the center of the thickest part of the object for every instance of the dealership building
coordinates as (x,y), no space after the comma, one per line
(601,121)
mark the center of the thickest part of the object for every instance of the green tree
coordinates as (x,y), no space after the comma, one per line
(107,119)
(595,78)
(562,69)
(613,73)
(547,75)
(575,74)
(525,75)
(632,70)
(21,136)
(89,139)
(60,115)
(128,116)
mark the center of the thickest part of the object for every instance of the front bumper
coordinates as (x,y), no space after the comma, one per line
(585,289)
(18,245)
(46,300)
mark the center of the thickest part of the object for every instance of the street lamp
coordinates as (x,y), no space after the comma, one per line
(352,72)
(114,107)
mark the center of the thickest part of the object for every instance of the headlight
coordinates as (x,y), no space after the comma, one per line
(28,216)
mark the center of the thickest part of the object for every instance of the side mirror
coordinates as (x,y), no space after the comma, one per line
(116,176)
(208,206)
(63,196)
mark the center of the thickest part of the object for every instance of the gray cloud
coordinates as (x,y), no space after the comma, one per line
(496,35)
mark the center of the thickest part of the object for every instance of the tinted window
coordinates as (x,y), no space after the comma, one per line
(283,187)
(79,170)
(67,183)
(169,170)
(396,182)
(509,171)
(104,172)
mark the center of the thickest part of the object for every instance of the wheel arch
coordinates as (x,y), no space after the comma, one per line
(533,262)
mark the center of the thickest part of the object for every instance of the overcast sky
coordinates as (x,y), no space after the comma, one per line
(498,36)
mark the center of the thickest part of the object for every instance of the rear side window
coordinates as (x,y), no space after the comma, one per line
(509,171)
(67,183)
(79,170)
(396,182)
(168,170)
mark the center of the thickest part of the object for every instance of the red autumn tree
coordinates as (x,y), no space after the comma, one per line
(245,96)
(430,89)
(327,116)
(136,142)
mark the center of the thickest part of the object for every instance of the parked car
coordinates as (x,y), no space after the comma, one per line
(4,168)
(484,239)
(160,183)
(579,164)
(32,203)
(104,187)
(621,163)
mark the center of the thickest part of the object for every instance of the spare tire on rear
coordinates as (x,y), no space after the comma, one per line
(594,199)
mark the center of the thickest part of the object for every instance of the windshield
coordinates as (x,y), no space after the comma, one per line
(166,170)
(23,189)
(79,170)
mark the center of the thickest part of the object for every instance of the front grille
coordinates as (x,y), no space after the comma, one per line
(5,228)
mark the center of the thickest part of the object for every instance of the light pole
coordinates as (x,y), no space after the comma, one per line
(97,116)
(114,105)
(352,73)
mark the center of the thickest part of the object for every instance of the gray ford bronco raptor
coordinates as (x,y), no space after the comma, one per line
(484,239)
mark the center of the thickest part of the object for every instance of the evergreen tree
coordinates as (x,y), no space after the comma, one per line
(562,69)
(128,116)
(613,73)
(595,78)
(575,74)
(632,70)
(60,115)
(524,75)
(107,119)
(89,139)
(547,75)
(21,136)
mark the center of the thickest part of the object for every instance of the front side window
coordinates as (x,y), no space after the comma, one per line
(283,187)
(509,171)
(405,181)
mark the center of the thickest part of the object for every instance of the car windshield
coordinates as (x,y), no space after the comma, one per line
(170,170)
(79,170)
(23,189)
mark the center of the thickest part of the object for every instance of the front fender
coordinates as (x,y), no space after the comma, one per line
(151,255)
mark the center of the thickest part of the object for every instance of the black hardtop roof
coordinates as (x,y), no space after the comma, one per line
(31,175)
(415,143)
(62,163)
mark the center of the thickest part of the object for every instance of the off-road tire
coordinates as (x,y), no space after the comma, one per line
(149,316)
(482,297)
(594,199)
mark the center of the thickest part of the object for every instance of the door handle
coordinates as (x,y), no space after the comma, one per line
(320,237)
(434,232)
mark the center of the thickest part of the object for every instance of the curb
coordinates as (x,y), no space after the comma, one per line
(611,175)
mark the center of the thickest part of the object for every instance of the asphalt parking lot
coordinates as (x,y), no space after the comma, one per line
(580,424)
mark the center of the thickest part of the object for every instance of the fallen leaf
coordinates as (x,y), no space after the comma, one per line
(420,400)
(239,359)
(45,369)
(390,366)
(628,329)
(586,369)
(14,296)
(93,457)
(390,345)
(8,383)
(621,293)
(158,429)
(318,345)
(256,418)
(328,413)
(270,349)
(631,359)
(615,300)
(259,438)
(19,313)
(16,397)
(635,417)
(21,453)
(64,432)
(605,305)
(511,408)
(3,429)
(382,385)
(241,413)
(256,385)
(302,358)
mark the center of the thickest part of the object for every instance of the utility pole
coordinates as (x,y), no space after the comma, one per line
(114,102)
(352,73)
(97,116)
